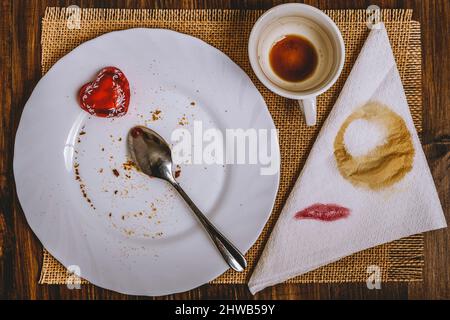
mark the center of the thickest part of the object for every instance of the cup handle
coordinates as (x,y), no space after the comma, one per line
(309,110)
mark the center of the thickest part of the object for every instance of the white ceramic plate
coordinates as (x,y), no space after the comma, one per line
(141,237)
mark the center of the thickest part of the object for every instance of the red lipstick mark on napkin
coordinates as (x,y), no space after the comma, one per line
(323,212)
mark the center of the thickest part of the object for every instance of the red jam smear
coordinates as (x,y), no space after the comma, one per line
(136,132)
(108,95)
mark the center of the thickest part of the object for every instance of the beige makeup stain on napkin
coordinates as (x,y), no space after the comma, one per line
(385,164)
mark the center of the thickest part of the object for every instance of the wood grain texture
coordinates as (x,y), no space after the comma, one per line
(6,186)
(20,251)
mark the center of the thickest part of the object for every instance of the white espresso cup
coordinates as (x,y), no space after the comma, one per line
(307,22)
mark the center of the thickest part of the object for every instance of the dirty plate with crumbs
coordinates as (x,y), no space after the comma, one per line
(84,198)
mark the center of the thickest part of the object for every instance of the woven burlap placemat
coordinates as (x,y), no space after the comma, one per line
(228,30)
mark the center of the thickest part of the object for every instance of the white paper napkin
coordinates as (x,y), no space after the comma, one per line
(370,214)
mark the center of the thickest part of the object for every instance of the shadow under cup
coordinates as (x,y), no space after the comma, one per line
(324,36)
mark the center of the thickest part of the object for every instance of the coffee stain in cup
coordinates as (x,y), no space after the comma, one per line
(385,164)
(293,58)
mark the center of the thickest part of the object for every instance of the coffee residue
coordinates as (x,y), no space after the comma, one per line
(385,164)
(293,58)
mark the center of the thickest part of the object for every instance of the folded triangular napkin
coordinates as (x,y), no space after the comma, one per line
(365,182)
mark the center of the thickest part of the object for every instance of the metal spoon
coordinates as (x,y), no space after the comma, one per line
(152,155)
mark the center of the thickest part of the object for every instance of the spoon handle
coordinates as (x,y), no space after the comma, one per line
(230,253)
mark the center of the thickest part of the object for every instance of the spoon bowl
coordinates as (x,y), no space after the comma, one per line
(152,155)
(150,152)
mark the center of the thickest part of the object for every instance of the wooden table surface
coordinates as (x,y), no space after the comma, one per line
(21,252)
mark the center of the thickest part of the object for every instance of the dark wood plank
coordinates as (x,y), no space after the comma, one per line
(436,282)
(436,66)
(25,69)
(20,252)
(6,187)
